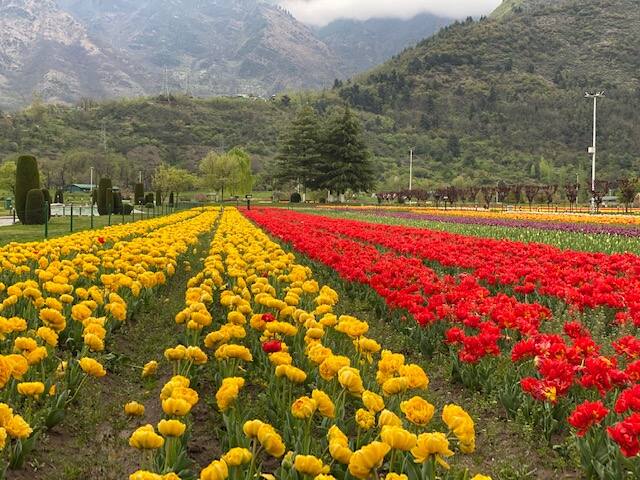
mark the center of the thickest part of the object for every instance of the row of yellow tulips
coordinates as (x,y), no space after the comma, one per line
(326,401)
(59,302)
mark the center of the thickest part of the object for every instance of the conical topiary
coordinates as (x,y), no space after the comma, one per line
(34,207)
(105,197)
(27,178)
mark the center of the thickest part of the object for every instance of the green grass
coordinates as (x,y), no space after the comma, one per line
(58,226)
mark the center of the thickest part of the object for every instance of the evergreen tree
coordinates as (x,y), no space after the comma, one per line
(346,161)
(299,153)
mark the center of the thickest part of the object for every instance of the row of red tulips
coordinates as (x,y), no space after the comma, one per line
(581,279)
(563,369)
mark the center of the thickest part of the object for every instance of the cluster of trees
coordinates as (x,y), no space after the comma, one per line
(325,153)
(229,172)
(517,193)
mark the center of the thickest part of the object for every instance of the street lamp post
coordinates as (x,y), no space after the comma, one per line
(91,199)
(592,149)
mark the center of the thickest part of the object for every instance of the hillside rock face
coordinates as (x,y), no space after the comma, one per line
(63,50)
(45,50)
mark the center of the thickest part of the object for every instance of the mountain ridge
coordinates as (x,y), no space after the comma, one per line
(63,50)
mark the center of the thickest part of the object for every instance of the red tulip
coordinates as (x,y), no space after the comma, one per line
(272,346)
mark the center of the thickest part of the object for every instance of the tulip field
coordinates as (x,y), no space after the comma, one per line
(285,344)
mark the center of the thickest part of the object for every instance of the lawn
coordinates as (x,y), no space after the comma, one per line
(58,226)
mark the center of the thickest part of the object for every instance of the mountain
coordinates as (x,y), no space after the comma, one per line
(63,50)
(365,44)
(504,96)
(499,98)
(44,49)
(217,46)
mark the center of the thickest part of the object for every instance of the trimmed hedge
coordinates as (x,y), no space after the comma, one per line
(34,207)
(27,179)
(59,196)
(105,197)
(171,202)
(158,198)
(295,198)
(138,193)
(117,203)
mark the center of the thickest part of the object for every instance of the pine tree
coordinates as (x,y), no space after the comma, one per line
(346,161)
(299,154)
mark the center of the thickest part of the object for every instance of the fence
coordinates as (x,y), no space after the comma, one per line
(70,218)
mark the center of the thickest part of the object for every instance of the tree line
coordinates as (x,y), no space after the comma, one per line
(501,192)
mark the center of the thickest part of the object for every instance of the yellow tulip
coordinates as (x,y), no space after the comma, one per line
(368,458)
(171,428)
(326,406)
(417,410)
(432,444)
(398,438)
(217,470)
(309,465)
(372,401)
(350,379)
(145,438)
(237,456)
(303,408)
(134,409)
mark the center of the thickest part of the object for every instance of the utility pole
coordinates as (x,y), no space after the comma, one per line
(188,81)
(592,149)
(410,169)
(104,136)
(166,83)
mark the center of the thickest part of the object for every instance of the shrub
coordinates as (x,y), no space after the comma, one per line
(149,198)
(149,205)
(105,197)
(127,208)
(34,207)
(59,196)
(295,198)
(171,202)
(158,197)
(138,193)
(27,179)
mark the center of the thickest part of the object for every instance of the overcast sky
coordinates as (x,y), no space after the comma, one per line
(321,12)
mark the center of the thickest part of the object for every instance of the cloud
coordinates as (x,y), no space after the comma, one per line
(321,12)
